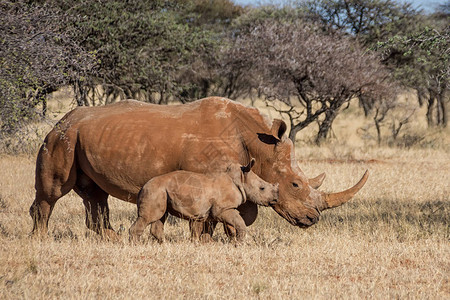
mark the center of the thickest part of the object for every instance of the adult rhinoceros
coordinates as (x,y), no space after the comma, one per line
(115,149)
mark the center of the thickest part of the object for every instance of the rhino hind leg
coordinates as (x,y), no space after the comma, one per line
(138,227)
(40,211)
(95,201)
(54,179)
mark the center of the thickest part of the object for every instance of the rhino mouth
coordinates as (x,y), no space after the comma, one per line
(305,221)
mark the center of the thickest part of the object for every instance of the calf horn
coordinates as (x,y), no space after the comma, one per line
(336,199)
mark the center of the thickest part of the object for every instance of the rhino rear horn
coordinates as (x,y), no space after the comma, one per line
(317,181)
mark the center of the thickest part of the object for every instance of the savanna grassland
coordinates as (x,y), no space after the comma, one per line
(390,241)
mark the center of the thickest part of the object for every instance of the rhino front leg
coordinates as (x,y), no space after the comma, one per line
(95,201)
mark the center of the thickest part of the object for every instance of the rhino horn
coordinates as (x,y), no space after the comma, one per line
(336,199)
(317,181)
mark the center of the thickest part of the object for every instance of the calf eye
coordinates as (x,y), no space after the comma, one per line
(294,184)
(261,188)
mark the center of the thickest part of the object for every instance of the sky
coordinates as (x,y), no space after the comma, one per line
(427,5)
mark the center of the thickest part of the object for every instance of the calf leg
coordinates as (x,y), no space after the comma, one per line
(202,230)
(248,212)
(151,209)
(232,217)
(157,228)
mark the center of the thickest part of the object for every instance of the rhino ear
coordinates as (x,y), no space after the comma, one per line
(268,139)
(278,130)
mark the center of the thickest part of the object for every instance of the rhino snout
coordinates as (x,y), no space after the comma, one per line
(310,218)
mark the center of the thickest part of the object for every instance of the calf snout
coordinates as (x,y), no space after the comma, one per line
(275,195)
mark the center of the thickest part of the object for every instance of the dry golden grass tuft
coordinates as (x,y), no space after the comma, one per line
(390,241)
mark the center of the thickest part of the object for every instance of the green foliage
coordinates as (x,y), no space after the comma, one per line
(369,20)
(143,47)
(418,54)
(215,14)
(158,51)
(420,60)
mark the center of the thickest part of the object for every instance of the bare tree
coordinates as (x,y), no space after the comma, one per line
(314,73)
(392,114)
(38,54)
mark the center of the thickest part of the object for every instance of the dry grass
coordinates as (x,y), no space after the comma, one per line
(391,241)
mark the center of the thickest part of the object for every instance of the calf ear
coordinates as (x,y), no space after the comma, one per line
(247,168)
(237,176)
(278,130)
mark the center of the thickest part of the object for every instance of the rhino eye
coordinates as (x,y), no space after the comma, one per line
(261,188)
(294,184)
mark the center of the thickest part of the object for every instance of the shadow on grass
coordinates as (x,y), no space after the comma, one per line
(419,219)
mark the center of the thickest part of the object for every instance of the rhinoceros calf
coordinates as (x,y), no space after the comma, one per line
(196,196)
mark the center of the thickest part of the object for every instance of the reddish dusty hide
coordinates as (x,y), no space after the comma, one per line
(201,197)
(115,149)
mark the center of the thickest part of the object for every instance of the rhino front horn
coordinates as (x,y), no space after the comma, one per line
(336,199)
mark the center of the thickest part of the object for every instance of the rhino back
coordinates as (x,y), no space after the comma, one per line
(122,146)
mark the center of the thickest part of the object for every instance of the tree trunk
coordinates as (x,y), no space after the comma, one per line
(443,106)
(365,103)
(430,111)
(76,91)
(84,95)
(162,99)
(444,113)
(293,133)
(325,126)
(441,110)
(420,97)
(377,126)
(44,106)
(80,93)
